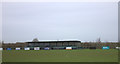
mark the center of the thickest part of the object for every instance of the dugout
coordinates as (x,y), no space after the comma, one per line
(92,47)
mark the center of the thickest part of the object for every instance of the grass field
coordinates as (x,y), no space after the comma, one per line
(84,55)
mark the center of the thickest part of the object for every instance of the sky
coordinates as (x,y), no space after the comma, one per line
(84,21)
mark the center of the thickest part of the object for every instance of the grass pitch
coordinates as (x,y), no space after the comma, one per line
(82,55)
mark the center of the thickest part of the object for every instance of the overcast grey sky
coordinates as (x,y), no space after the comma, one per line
(85,21)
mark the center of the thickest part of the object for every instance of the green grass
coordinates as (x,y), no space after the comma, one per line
(83,55)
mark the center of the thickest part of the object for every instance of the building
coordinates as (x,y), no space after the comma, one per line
(54,44)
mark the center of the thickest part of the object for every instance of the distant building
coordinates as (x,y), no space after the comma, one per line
(54,44)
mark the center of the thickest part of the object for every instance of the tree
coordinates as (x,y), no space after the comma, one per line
(35,40)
